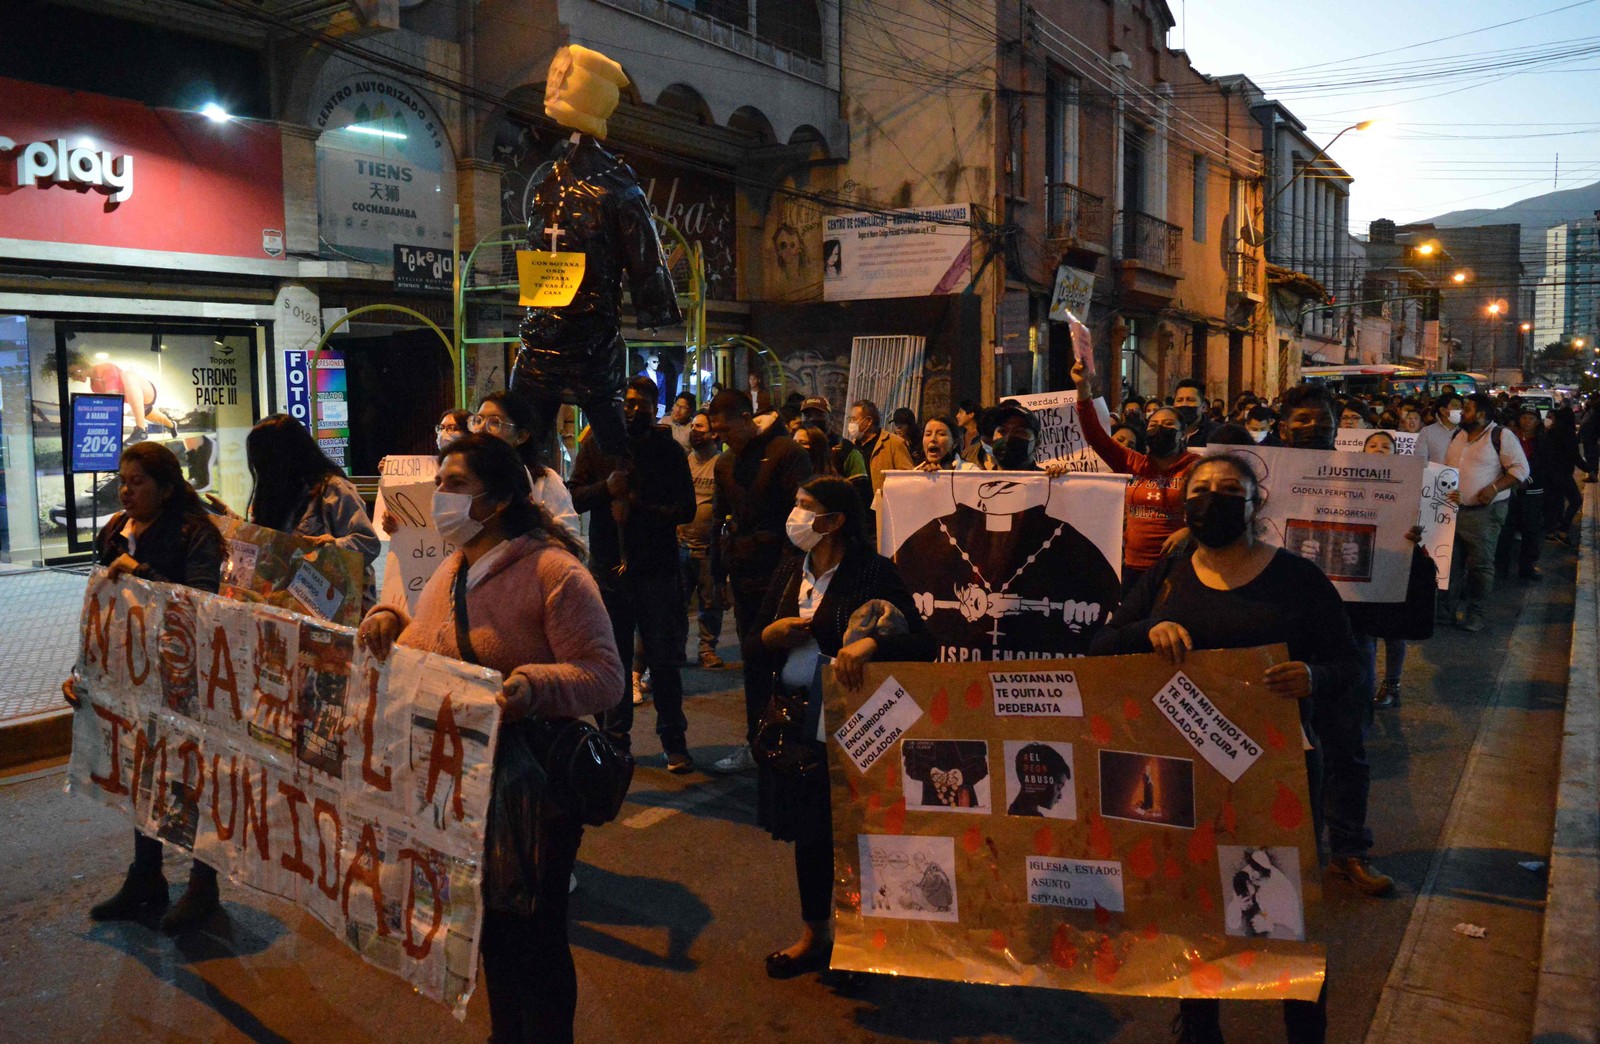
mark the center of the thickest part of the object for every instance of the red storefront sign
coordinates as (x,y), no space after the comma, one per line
(97,171)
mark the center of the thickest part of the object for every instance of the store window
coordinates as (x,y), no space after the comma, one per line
(192,389)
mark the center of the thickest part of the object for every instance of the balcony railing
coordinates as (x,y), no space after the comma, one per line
(736,38)
(1151,241)
(1073,215)
(1244,272)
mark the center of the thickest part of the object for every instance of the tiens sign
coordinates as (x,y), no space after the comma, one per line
(52,161)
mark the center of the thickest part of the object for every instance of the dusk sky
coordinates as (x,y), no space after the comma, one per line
(1473,111)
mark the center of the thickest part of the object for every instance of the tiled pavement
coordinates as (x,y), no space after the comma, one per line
(39,611)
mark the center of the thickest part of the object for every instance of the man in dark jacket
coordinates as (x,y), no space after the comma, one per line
(635,506)
(757,480)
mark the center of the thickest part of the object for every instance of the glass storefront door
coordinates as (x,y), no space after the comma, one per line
(189,388)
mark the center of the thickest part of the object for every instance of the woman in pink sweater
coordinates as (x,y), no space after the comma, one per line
(534,614)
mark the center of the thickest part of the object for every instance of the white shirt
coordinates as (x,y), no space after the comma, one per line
(485,565)
(551,492)
(1433,441)
(801,663)
(1480,465)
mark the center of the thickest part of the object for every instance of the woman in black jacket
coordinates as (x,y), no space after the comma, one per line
(806,613)
(163,533)
(1562,498)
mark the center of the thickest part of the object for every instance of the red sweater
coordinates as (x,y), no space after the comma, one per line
(539,615)
(1154,506)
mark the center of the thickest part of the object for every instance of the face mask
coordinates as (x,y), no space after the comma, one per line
(852,431)
(802,532)
(1164,442)
(1453,416)
(1215,519)
(1260,436)
(444,440)
(1190,414)
(1014,452)
(1311,438)
(452,518)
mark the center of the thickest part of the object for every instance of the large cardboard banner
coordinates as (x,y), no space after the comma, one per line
(1110,825)
(1347,512)
(271,747)
(275,568)
(1006,565)
(1061,433)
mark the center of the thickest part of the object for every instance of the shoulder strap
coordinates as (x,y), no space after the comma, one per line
(463,626)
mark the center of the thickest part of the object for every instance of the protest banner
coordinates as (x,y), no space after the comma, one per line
(273,748)
(1152,839)
(405,490)
(1438,518)
(1006,565)
(1355,440)
(276,568)
(1060,433)
(1347,512)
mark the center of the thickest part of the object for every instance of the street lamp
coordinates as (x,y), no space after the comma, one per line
(1319,154)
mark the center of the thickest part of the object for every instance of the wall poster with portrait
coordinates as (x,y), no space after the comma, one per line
(191,389)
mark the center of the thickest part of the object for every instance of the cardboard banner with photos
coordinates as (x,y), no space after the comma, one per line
(1006,565)
(273,748)
(1109,825)
(290,572)
(1347,512)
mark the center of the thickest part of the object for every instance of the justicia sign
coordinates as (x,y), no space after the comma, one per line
(52,162)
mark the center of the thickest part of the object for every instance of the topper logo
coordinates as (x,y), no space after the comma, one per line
(52,161)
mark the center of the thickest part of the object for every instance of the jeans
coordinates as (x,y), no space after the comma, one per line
(1394,657)
(1562,499)
(1477,532)
(1525,519)
(698,583)
(747,595)
(147,852)
(650,604)
(528,973)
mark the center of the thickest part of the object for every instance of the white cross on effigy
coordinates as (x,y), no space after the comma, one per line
(555,232)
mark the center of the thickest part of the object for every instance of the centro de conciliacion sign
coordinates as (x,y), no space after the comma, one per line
(47,162)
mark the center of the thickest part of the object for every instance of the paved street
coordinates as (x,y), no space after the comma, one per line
(682,897)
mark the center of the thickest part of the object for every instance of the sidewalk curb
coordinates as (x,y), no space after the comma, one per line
(1567,1005)
(36,738)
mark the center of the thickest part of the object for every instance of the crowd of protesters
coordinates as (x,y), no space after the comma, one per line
(766,509)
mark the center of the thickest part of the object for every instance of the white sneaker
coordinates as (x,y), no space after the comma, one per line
(741,760)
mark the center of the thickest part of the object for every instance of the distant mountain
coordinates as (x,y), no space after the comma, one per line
(1534,214)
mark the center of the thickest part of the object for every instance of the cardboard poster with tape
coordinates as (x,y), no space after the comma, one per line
(1109,825)
(1006,565)
(290,572)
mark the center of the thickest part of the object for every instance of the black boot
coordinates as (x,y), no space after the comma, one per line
(143,891)
(198,902)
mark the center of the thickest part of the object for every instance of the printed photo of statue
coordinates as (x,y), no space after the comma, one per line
(1147,788)
(946,775)
(1261,892)
(1039,780)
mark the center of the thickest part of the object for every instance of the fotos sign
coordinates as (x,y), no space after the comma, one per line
(272,748)
(1130,849)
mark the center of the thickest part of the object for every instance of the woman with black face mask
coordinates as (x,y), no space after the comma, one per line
(1154,501)
(1236,592)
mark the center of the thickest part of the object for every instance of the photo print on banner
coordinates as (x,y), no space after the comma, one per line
(1039,780)
(1006,565)
(1261,887)
(946,775)
(1147,788)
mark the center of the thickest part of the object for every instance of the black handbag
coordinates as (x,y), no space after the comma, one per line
(583,771)
(781,743)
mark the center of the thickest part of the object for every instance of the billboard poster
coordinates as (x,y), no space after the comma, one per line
(96,433)
(1110,825)
(332,406)
(897,253)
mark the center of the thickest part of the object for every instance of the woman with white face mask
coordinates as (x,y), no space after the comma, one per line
(510,418)
(534,614)
(806,615)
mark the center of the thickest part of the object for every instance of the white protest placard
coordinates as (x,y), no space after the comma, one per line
(1060,432)
(405,490)
(1071,293)
(1076,884)
(1356,440)
(417,552)
(1219,741)
(1438,519)
(1037,694)
(869,733)
(1347,512)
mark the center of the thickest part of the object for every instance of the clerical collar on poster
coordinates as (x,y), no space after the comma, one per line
(1000,498)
